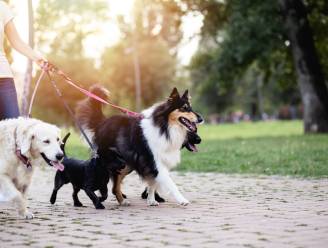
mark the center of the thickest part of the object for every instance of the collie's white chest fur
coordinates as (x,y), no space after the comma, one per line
(166,151)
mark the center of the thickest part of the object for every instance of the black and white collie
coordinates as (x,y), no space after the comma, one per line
(150,146)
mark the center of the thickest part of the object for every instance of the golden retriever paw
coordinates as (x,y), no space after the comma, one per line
(27,216)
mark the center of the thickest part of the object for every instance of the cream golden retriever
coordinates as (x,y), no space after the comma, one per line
(24,144)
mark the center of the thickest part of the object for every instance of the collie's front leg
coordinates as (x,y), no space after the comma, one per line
(166,184)
(151,201)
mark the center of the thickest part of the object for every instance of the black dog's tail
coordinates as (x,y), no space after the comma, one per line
(89,112)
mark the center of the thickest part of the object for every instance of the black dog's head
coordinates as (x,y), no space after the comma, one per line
(191,141)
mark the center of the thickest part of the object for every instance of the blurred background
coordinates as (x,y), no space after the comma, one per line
(242,60)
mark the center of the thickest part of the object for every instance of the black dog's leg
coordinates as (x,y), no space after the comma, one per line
(76,200)
(144,194)
(94,198)
(104,193)
(158,198)
(58,184)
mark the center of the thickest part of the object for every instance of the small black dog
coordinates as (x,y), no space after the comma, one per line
(87,175)
(190,144)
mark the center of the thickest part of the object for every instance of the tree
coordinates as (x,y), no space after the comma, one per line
(147,50)
(62,27)
(28,73)
(310,76)
(253,32)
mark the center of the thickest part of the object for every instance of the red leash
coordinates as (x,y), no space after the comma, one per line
(49,67)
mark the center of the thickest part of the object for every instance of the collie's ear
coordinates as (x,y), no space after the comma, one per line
(186,95)
(174,94)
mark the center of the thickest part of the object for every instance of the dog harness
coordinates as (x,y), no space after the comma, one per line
(25,160)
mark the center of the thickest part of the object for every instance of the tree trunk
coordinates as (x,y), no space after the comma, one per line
(28,73)
(310,76)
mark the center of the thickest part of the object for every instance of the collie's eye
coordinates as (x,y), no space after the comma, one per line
(46,141)
(57,139)
(184,108)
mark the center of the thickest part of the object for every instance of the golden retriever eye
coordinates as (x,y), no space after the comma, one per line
(46,141)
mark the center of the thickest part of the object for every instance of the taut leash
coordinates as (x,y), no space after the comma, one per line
(51,68)
(90,94)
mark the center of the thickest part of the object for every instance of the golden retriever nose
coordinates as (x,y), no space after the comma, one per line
(59,156)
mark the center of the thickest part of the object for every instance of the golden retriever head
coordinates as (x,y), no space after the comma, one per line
(41,139)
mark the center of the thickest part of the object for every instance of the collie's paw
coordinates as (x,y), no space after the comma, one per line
(184,202)
(152,203)
(28,216)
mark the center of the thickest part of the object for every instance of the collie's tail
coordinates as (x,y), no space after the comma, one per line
(89,112)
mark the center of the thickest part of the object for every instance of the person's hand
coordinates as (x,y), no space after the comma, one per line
(44,64)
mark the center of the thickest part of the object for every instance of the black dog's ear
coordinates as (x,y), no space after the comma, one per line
(185,95)
(62,146)
(174,94)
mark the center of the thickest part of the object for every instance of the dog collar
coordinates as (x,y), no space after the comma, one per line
(19,154)
(23,158)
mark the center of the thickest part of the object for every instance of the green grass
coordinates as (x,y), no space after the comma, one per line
(271,148)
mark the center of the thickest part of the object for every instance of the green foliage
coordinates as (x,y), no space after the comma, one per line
(154,33)
(62,27)
(157,71)
(249,42)
(270,148)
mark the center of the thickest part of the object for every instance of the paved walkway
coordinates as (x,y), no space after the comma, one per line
(226,211)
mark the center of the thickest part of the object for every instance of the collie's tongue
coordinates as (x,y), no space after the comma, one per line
(58,166)
(193,147)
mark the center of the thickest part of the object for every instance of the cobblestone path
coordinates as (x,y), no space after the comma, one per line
(226,211)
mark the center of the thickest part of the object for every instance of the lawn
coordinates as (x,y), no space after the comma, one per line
(271,148)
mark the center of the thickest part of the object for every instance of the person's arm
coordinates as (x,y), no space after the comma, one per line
(18,44)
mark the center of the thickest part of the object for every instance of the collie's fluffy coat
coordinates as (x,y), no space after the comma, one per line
(150,146)
(35,140)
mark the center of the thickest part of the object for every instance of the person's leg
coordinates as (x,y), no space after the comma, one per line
(8,99)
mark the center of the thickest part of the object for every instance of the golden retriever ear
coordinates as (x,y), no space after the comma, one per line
(26,142)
